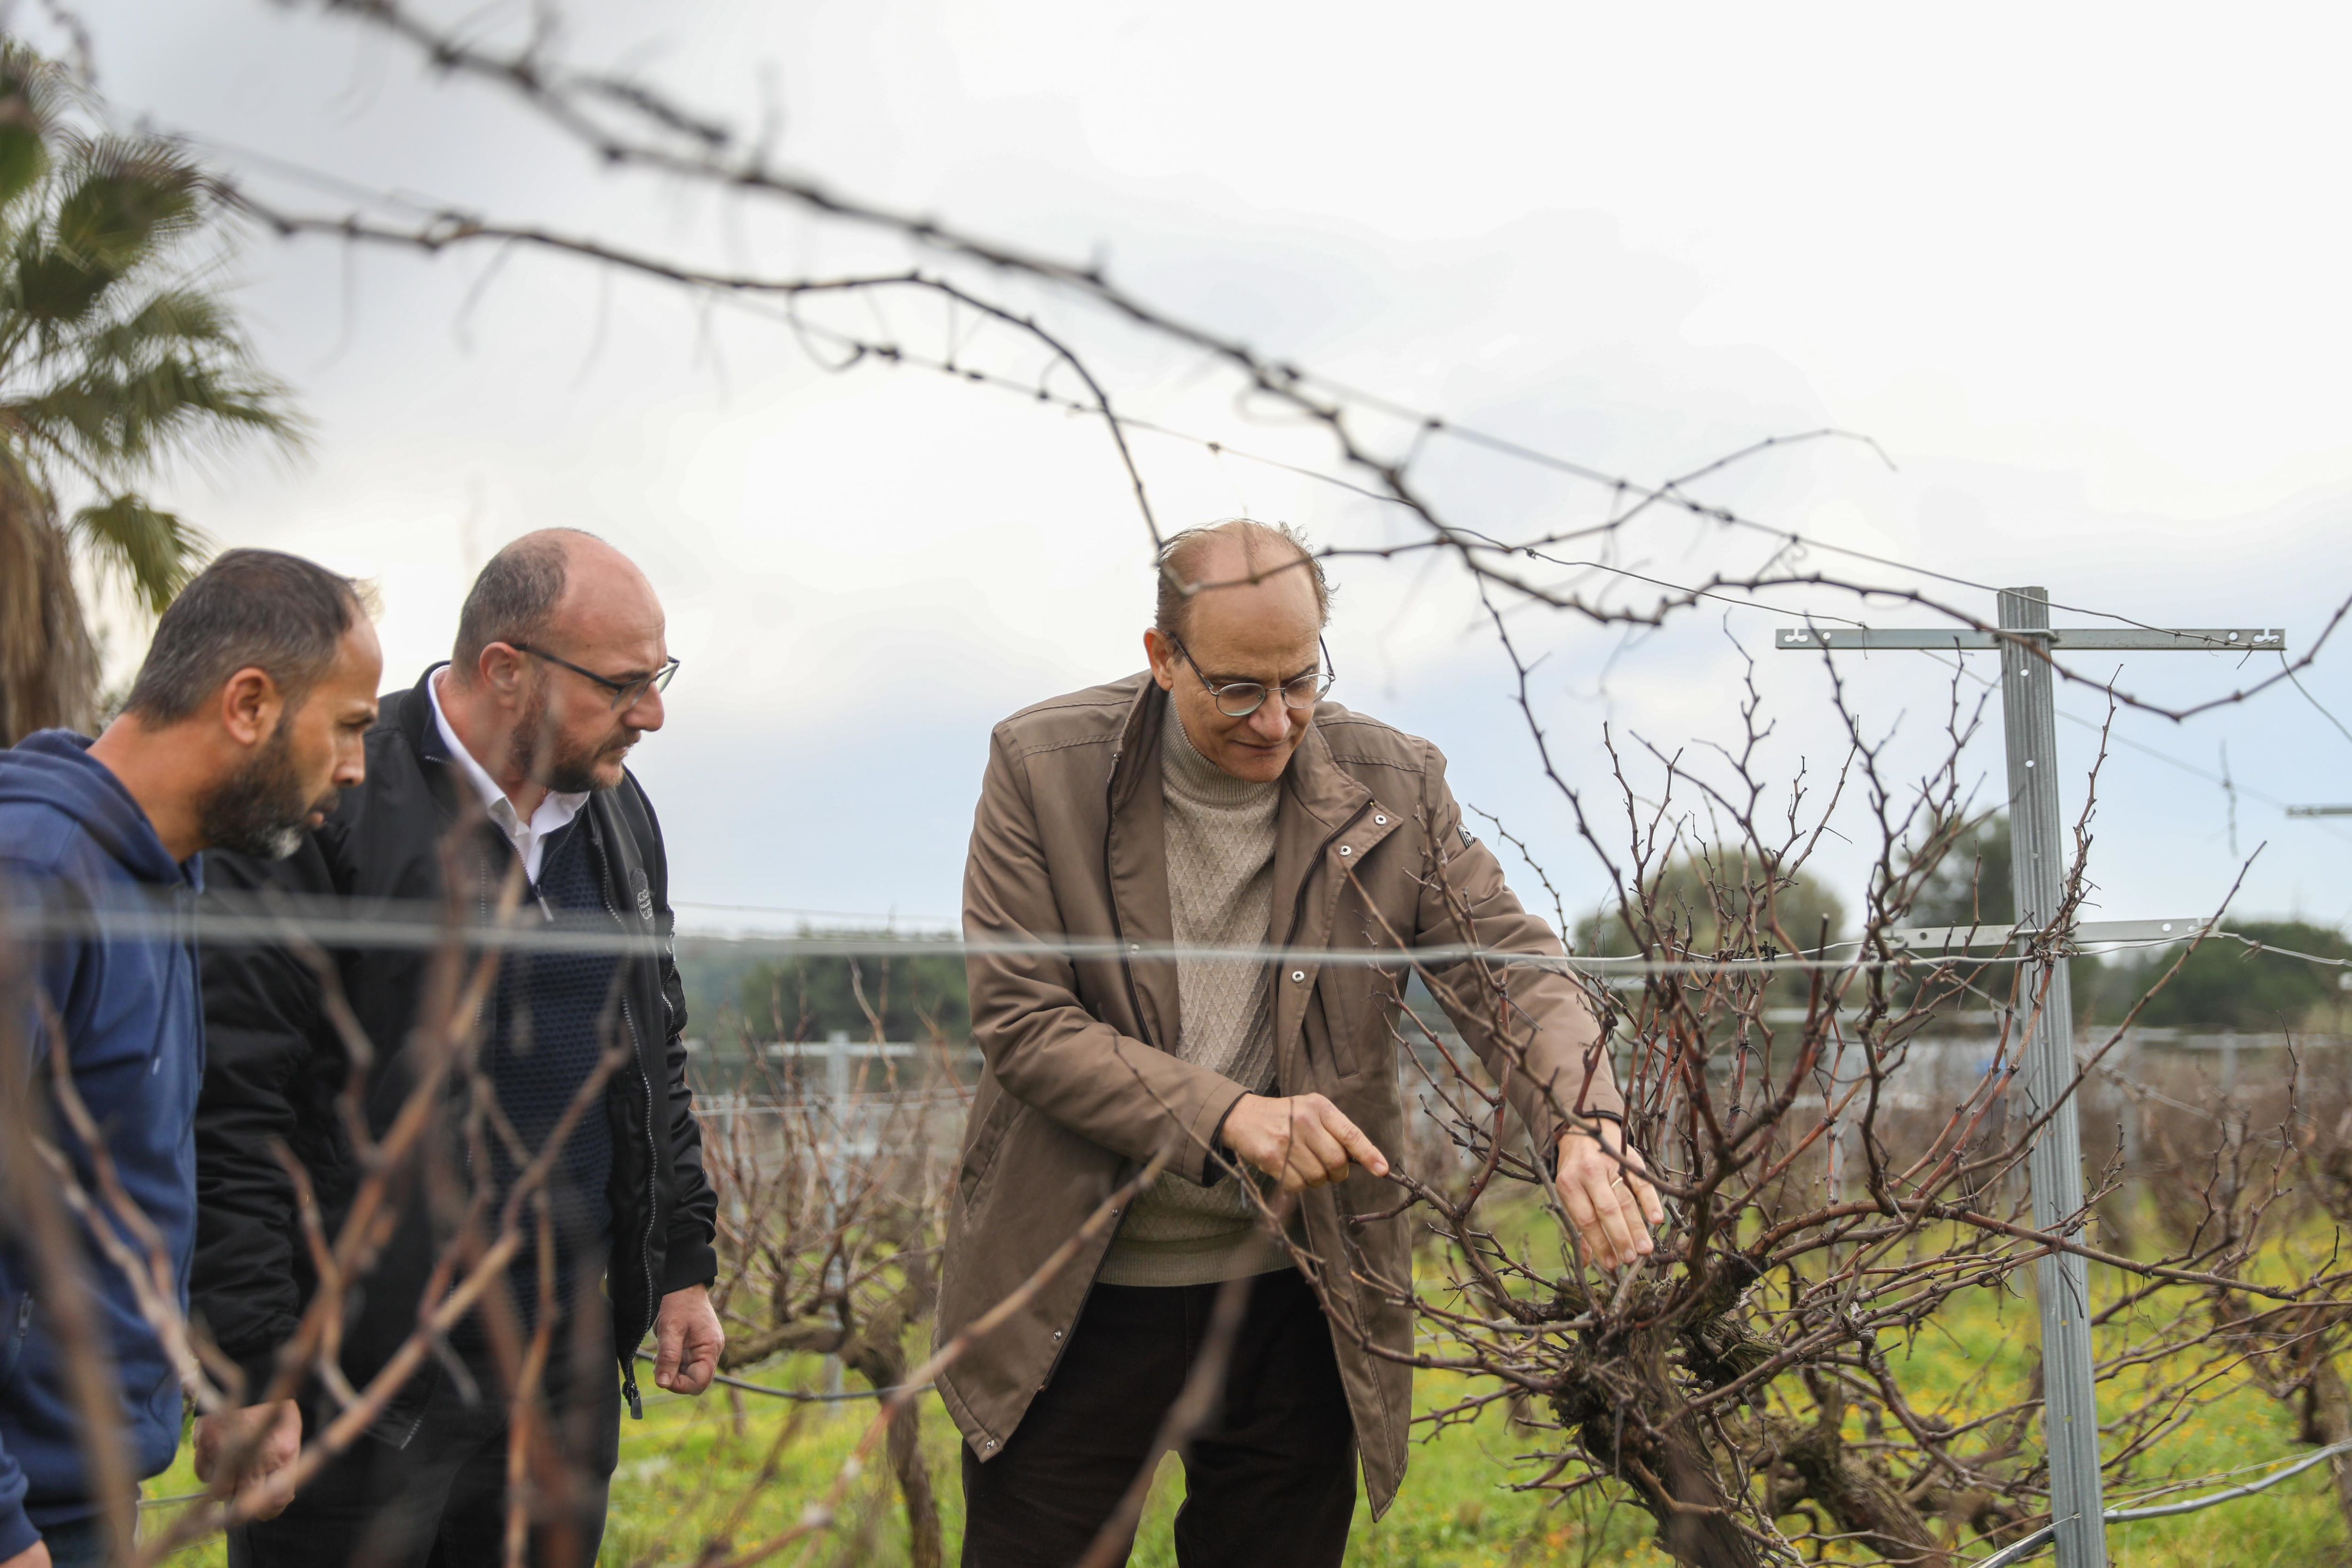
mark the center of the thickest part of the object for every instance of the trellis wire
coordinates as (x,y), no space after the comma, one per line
(375,932)
(2018,1550)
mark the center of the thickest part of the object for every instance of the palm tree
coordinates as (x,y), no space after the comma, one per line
(116,358)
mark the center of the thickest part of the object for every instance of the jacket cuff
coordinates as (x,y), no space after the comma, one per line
(1211,1171)
(1561,1130)
(258,1359)
(258,1369)
(17,1531)
(688,1264)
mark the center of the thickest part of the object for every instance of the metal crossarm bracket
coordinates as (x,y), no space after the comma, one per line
(1943,937)
(2088,639)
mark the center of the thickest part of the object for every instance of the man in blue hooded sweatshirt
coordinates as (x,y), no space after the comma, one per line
(245,722)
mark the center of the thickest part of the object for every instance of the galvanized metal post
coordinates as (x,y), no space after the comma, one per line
(836,1164)
(2038,854)
(2038,876)
(2135,1108)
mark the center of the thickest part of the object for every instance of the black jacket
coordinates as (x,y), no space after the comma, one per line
(277,1064)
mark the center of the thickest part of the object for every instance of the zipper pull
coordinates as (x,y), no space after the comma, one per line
(629,1391)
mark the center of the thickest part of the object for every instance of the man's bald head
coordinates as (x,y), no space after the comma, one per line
(534,590)
(560,660)
(1232,553)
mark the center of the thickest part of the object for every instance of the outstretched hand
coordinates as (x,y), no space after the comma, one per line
(1610,1203)
(1300,1140)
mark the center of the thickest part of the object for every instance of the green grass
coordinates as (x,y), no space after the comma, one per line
(684,1468)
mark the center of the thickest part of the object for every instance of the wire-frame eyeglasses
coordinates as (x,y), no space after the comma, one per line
(627,690)
(1239,699)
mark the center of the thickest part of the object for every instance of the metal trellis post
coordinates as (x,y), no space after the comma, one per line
(2038,883)
(2037,878)
(836,1169)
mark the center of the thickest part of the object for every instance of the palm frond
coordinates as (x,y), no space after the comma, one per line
(127,422)
(128,199)
(123,204)
(34,93)
(119,354)
(154,552)
(176,317)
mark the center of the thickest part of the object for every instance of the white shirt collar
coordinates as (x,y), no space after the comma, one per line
(529,839)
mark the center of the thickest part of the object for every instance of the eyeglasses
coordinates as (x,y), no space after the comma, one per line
(627,690)
(1239,699)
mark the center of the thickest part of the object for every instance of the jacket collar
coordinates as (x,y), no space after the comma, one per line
(1322,789)
(411,716)
(414,718)
(1314,783)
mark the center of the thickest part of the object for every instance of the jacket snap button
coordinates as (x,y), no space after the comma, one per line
(1346,850)
(1297,975)
(1058,1333)
(991,1442)
(1379,821)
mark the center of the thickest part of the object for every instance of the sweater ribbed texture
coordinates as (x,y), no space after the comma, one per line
(1220,837)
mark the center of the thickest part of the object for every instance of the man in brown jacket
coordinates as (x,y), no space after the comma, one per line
(1216,802)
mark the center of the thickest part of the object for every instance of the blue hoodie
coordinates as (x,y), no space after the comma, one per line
(73,840)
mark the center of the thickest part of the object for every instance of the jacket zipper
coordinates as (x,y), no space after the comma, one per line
(653,1212)
(486,1010)
(653,1155)
(17,1343)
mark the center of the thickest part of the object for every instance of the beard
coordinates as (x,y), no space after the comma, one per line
(538,756)
(261,809)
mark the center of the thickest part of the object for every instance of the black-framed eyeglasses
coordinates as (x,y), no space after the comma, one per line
(627,690)
(1239,699)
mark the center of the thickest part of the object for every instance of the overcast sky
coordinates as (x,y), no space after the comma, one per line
(2077,272)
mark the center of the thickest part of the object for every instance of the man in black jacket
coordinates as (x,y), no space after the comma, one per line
(495,790)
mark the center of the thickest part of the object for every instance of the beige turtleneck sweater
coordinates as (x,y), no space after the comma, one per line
(1219,835)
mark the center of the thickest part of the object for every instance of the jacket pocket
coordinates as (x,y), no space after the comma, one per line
(980,1157)
(17,1328)
(1341,1008)
(1358,1013)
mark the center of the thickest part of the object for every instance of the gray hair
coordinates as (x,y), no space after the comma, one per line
(514,598)
(1179,566)
(252,609)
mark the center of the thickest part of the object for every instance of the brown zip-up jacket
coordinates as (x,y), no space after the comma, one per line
(1083,1083)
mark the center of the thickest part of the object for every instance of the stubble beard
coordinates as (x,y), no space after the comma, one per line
(261,809)
(572,773)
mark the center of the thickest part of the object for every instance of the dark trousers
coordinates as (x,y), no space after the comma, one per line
(440,1499)
(1270,1479)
